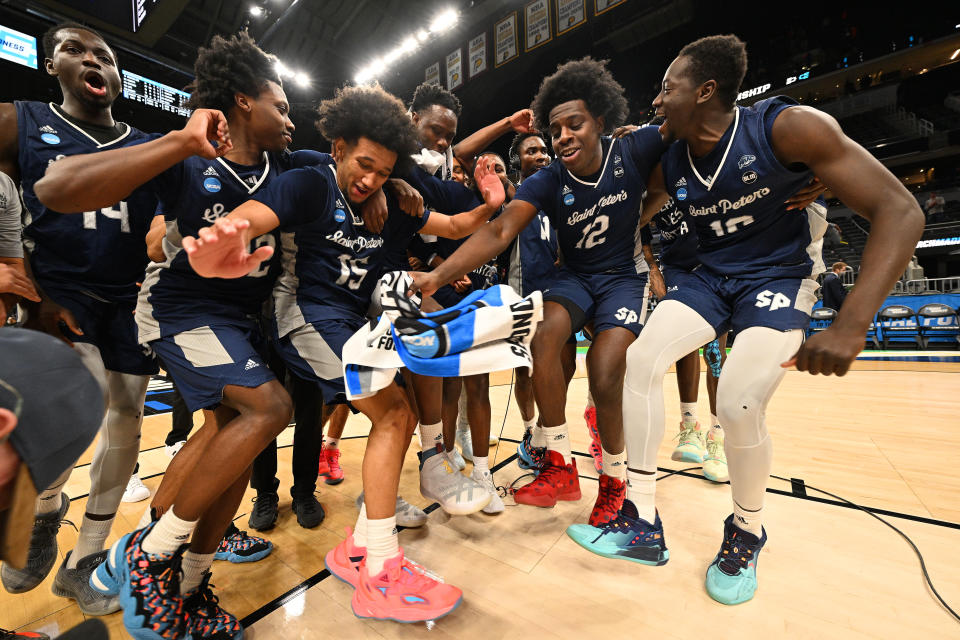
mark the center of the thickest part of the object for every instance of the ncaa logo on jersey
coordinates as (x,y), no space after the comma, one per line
(749,177)
(681,194)
(745,161)
(212,185)
(50,138)
(339,215)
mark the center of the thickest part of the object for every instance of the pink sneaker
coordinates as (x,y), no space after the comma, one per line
(402,592)
(331,459)
(343,561)
(590,416)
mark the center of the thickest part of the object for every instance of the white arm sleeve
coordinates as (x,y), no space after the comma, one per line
(10,222)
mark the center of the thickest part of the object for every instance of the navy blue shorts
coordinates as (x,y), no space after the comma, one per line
(110,326)
(607,299)
(740,303)
(314,351)
(204,360)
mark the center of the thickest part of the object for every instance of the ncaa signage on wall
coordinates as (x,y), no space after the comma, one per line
(18,47)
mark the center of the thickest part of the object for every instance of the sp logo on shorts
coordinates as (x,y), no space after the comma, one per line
(772,301)
(627,316)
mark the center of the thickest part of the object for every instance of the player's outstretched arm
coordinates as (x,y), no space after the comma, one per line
(473,145)
(805,135)
(222,250)
(463,224)
(94,180)
(656,197)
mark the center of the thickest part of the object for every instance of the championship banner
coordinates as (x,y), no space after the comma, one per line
(477,55)
(570,14)
(537,24)
(455,69)
(432,75)
(599,6)
(505,37)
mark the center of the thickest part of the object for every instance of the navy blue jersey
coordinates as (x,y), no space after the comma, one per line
(101,252)
(193,194)
(331,261)
(678,240)
(735,198)
(596,220)
(533,255)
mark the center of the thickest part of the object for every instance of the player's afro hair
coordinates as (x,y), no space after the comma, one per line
(50,39)
(369,112)
(719,58)
(585,79)
(228,67)
(429,94)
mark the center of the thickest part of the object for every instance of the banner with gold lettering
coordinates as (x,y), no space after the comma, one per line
(477,55)
(570,14)
(505,39)
(432,74)
(537,24)
(599,6)
(455,69)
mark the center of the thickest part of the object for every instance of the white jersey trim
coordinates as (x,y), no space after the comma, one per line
(711,180)
(260,180)
(87,135)
(602,171)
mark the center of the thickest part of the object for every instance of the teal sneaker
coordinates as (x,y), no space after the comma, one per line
(732,576)
(626,537)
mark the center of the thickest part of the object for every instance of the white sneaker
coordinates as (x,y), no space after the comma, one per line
(173,449)
(485,479)
(457,494)
(715,462)
(407,514)
(466,444)
(136,491)
(492,440)
(456,459)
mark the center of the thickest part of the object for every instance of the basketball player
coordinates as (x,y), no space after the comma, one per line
(592,195)
(210,346)
(332,264)
(86,268)
(730,168)
(533,260)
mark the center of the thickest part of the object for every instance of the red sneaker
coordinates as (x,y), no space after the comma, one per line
(343,561)
(331,459)
(590,416)
(557,481)
(323,469)
(403,592)
(609,500)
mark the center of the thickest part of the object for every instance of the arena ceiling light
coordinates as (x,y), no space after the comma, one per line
(300,78)
(443,22)
(256,11)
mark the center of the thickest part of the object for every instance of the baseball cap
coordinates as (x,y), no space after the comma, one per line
(59,407)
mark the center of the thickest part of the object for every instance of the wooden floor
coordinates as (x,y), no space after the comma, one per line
(887,436)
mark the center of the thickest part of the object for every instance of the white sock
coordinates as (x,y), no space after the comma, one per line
(481,463)
(750,521)
(382,543)
(642,492)
(93,535)
(717,431)
(168,534)
(194,566)
(537,439)
(146,518)
(49,500)
(360,529)
(714,422)
(331,443)
(615,464)
(431,435)
(528,425)
(688,412)
(559,440)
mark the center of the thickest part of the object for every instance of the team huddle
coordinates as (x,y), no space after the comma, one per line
(214,251)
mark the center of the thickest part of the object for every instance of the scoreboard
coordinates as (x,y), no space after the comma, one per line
(128,14)
(154,94)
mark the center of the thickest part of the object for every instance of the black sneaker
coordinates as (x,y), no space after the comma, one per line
(75,583)
(42,554)
(309,511)
(265,511)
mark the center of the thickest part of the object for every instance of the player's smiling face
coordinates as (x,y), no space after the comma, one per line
(85,67)
(362,167)
(676,101)
(533,155)
(436,127)
(575,136)
(270,118)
